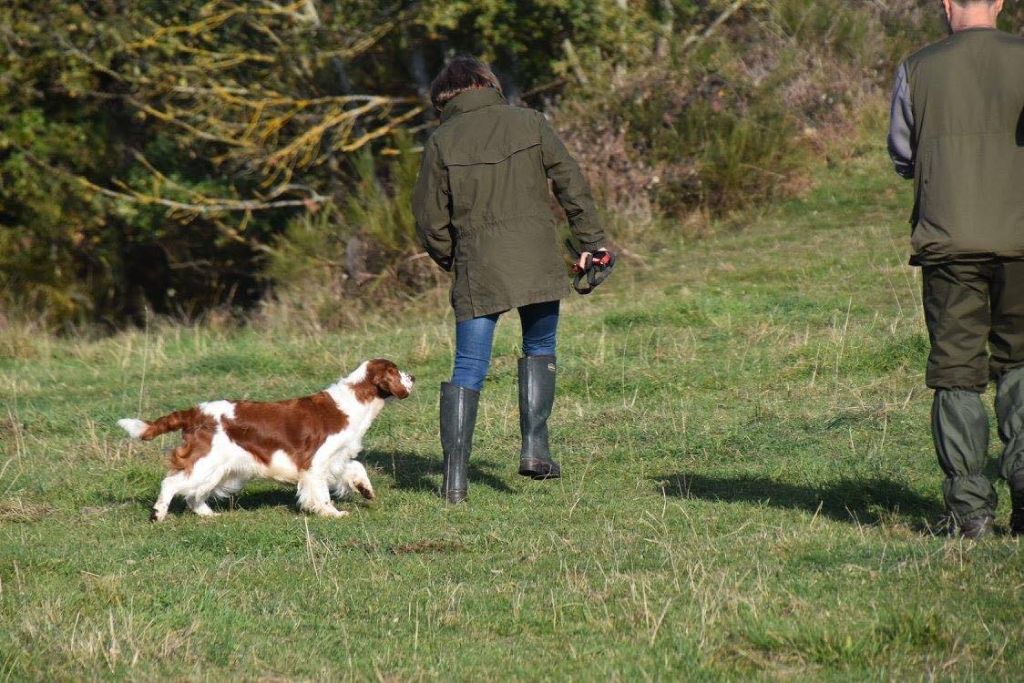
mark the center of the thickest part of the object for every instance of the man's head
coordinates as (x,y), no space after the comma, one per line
(965,14)
(462,73)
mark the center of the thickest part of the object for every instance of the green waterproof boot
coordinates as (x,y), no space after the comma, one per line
(536,396)
(458,418)
(960,431)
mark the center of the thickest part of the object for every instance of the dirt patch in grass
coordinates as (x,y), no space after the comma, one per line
(18,510)
(428,547)
(412,548)
(11,426)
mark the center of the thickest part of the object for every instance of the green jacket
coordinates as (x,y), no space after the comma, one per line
(482,204)
(957,128)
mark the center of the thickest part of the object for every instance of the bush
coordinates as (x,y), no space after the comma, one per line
(186,157)
(363,251)
(727,119)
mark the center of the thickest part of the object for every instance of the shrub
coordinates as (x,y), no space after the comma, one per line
(364,250)
(728,115)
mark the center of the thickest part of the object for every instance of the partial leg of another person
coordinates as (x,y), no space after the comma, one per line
(459,401)
(1007,343)
(537,389)
(957,312)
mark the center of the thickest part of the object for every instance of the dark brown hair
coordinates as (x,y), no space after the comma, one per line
(462,73)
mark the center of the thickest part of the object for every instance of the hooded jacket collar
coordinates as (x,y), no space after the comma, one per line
(471,100)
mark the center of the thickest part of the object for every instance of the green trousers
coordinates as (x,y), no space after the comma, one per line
(975,318)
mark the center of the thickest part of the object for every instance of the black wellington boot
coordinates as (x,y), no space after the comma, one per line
(536,396)
(1017,504)
(458,418)
(977,527)
(1010,412)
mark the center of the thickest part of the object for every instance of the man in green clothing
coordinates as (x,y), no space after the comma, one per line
(957,129)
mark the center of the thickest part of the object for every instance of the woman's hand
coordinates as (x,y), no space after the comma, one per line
(582,263)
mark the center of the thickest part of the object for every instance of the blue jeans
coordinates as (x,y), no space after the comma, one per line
(475,337)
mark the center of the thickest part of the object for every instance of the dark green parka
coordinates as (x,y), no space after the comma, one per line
(482,204)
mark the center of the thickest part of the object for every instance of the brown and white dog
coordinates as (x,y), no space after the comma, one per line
(310,441)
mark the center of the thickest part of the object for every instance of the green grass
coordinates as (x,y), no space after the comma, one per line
(749,493)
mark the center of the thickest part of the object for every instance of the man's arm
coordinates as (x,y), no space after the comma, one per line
(901,126)
(430,207)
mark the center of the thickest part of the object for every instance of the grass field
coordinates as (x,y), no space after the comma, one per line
(750,491)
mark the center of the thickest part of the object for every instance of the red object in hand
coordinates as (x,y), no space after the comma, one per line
(592,267)
(601,259)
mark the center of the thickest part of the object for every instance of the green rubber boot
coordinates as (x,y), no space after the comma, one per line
(960,431)
(458,419)
(536,396)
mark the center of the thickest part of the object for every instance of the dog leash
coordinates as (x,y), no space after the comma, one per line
(595,270)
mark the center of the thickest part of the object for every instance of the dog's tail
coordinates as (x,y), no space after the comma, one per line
(173,422)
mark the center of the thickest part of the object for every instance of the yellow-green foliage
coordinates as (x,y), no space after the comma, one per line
(178,157)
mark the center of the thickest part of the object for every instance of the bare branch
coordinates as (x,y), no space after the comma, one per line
(203,206)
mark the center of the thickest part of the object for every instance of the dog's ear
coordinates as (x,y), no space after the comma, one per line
(393,382)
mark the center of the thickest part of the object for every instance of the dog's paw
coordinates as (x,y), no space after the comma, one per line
(327,511)
(366,491)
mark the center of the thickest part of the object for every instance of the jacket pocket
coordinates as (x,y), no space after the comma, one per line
(968,194)
(935,211)
(515,260)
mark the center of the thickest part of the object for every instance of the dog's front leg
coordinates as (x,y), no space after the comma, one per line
(315,496)
(171,485)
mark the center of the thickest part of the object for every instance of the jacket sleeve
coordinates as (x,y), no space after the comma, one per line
(571,189)
(430,207)
(901,126)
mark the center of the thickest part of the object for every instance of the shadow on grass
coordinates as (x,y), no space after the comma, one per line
(258,494)
(260,498)
(251,497)
(860,501)
(283,497)
(412,471)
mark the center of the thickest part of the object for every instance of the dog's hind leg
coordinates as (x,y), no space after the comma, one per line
(228,487)
(315,496)
(172,484)
(210,484)
(200,506)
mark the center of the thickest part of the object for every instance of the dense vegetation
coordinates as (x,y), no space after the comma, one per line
(175,157)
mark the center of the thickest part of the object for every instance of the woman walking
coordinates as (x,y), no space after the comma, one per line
(482,211)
